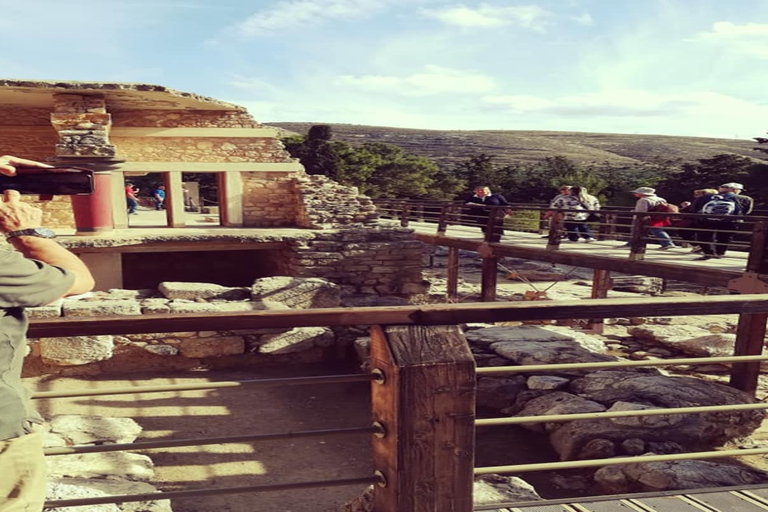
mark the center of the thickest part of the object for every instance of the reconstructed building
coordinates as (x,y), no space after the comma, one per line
(274,218)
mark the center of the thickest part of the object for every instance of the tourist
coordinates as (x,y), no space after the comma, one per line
(564,190)
(35,271)
(481,208)
(575,217)
(723,209)
(647,200)
(130,198)
(690,224)
(158,195)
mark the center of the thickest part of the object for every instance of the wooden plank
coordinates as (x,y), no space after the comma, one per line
(439,314)
(727,502)
(427,405)
(601,283)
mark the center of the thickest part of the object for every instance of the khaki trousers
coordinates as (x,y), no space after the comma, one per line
(22,474)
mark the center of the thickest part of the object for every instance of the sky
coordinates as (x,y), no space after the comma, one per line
(671,67)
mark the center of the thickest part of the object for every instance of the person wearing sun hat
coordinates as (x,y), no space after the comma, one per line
(647,199)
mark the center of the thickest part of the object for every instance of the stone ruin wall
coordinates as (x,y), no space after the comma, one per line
(270,199)
(184,119)
(221,348)
(29,134)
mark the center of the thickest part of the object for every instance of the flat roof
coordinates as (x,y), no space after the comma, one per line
(118,95)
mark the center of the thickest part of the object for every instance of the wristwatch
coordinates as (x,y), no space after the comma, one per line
(38,232)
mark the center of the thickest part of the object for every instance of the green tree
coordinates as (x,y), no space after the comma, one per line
(706,173)
(478,171)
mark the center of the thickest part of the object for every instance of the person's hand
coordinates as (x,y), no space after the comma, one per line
(14,214)
(8,164)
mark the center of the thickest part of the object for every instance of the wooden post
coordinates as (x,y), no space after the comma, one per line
(442,223)
(555,230)
(489,278)
(750,333)
(452,272)
(405,214)
(425,403)
(638,240)
(601,283)
(750,336)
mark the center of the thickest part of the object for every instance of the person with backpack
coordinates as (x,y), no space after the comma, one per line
(720,213)
(656,207)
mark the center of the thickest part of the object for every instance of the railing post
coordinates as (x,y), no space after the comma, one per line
(489,278)
(601,283)
(442,223)
(452,272)
(637,241)
(555,231)
(750,332)
(405,214)
(425,402)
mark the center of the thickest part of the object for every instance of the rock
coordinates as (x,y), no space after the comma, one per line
(76,350)
(637,284)
(78,488)
(534,334)
(297,293)
(295,340)
(597,449)
(130,466)
(193,291)
(78,429)
(675,475)
(52,310)
(687,338)
(633,446)
(653,391)
(489,489)
(499,392)
(547,382)
(557,402)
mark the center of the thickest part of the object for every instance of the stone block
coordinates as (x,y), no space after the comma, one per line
(101,308)
(76,350)
(298,339)
(79,429)
(193,291)
(130,466)
(298,293)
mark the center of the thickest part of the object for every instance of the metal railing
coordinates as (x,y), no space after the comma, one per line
(419,372)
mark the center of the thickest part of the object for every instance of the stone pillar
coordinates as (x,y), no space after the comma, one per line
(83,124)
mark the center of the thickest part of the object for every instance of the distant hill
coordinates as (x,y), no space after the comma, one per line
(447,147)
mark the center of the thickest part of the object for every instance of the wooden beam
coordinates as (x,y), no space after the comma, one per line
(426,404)
(601,283)
(490,274)
(452,274)
(442,314)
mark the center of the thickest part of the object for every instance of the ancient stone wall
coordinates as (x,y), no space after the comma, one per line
(201,149)
(184,119)
(383,259)
(323,203)
(15,116)
(269,199)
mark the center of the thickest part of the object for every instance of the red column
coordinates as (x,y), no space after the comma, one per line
(93,213)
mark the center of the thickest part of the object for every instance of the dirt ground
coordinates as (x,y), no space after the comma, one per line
(239,411)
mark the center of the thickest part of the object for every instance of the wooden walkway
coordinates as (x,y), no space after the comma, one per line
(747,499)
(674,264)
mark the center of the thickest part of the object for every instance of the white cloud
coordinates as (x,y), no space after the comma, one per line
(584,19)
(749,39)
(434,80)
(486,15)
(297,13)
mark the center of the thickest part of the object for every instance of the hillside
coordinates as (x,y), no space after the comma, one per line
(447,147)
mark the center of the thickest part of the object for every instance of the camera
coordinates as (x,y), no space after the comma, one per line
(55,181)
